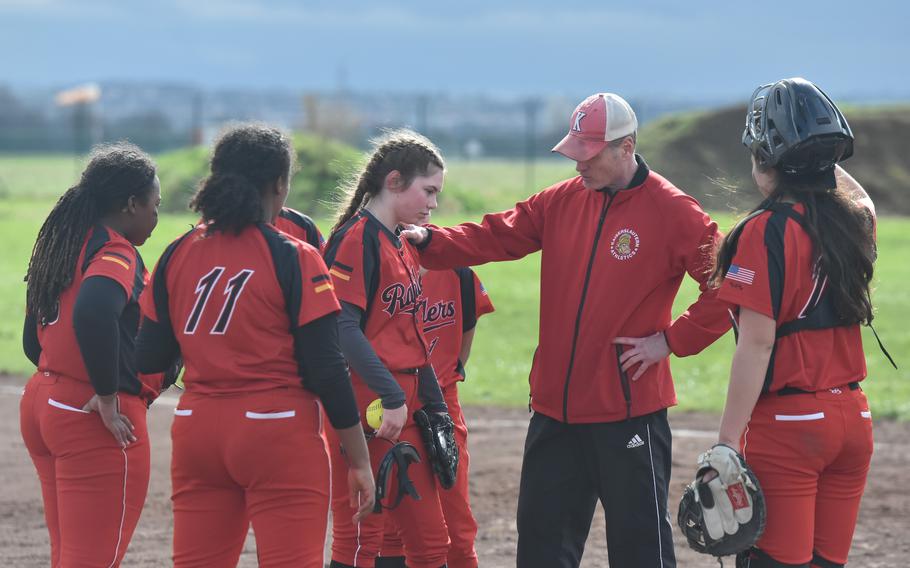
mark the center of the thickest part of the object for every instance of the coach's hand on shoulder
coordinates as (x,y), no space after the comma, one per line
(644,352)
(392,422)
(108,407)
(415,233)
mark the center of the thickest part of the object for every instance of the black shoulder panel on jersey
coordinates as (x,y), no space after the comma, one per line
(774,243)
(99,238)
(286,260)
(331,248)
(370,259)
(304,222)
(159,285)
(371,269)
(468,300)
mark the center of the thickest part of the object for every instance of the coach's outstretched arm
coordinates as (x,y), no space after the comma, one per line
(507,235)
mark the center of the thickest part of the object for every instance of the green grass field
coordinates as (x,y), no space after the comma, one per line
(505,341)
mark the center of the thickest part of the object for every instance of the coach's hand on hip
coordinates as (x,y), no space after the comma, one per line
(644,352)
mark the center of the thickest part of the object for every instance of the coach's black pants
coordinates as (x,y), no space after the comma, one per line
(568,467)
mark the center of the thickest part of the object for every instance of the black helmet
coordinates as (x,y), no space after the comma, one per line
(793,125)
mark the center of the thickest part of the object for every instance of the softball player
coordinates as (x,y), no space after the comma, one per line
(455,300)
(252,313)
(798,271)
(299,226)
(84,280)
(377,279)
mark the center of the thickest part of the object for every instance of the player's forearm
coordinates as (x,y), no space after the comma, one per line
(30,344)
(96,317)
(364,360)
(355,446)
(325,372)
(428,390)
(157,349)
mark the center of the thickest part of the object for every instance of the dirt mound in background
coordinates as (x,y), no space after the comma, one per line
(702,154)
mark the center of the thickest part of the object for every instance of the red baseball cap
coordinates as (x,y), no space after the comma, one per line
(599,119)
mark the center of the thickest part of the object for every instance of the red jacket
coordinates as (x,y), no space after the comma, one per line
(611,266)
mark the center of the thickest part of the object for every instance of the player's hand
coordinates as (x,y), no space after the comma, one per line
(108,407)
(362,490)
(415,233)
(392,422)
(645,352)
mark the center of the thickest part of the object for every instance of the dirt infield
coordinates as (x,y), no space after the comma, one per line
(497,435)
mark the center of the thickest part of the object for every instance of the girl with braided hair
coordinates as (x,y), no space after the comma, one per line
(252,312)
(377,278)
(83,413)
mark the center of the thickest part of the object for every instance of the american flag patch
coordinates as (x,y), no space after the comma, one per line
(739,274)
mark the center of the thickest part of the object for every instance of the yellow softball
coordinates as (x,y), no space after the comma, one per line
(374,414)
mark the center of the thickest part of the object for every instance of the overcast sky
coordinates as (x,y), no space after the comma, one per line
(661,48)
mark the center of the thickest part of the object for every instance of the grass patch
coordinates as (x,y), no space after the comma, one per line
(505,341)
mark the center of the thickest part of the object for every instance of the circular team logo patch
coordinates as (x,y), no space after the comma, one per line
(624,244)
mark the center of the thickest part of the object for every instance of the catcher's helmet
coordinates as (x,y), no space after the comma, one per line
(401,455)
(794,126)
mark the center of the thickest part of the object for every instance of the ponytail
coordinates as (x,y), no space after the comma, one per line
(404,151)
(247,160)
(228,202)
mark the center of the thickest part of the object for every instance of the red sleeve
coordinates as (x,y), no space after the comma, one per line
(117,261)
(508,235)
(482,303)
(696,237)
(347,269)
(318,296)
(746,283)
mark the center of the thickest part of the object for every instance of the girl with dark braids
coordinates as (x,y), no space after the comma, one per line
(377,278)
(252,312)
(83,413)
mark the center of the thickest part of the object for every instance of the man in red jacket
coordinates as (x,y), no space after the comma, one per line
(616,242)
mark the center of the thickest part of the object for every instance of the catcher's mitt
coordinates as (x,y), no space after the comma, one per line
(725,514)
(438,432)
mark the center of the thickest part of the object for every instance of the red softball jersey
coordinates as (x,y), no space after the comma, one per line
(810,360)
(233,301)
(108,254)
(455,299)
(378,272)
(300,226)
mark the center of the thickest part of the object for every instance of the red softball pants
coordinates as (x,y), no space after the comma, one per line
(456,503)
(811,454)
(421,523)
(257,458)
(93,489)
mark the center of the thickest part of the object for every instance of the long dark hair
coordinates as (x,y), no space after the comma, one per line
(404,151)
(843,247)
(247,159)
(115,173)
